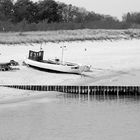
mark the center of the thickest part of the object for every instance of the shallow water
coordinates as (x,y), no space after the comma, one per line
(70,116)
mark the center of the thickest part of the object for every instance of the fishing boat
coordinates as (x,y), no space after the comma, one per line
(35,60)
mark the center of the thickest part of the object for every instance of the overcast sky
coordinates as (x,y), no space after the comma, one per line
(110,7)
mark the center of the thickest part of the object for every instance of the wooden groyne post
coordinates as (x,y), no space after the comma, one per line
(90,90)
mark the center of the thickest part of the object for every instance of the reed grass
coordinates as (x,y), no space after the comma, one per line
(67,35)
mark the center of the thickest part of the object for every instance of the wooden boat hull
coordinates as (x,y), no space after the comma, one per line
(54,67)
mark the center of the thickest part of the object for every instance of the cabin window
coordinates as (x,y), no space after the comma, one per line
(40,54)
(31,54)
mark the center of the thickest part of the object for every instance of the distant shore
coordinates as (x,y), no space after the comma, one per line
(67,35)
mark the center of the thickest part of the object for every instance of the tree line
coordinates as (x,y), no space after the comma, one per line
(27,15)
(133,19)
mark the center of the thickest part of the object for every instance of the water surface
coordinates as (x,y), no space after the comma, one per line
(70,116)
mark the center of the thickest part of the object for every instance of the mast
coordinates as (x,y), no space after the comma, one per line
(41,47)
(62,55)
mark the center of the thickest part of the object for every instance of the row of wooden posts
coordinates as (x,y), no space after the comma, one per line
(91,90)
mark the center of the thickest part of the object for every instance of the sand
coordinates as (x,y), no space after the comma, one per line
(113,63)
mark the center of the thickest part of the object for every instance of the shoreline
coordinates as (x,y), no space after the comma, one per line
(111,63)
(21,96)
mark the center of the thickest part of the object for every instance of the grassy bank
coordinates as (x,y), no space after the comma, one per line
(67,35)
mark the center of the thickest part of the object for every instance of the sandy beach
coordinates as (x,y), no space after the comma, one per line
(113,63)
